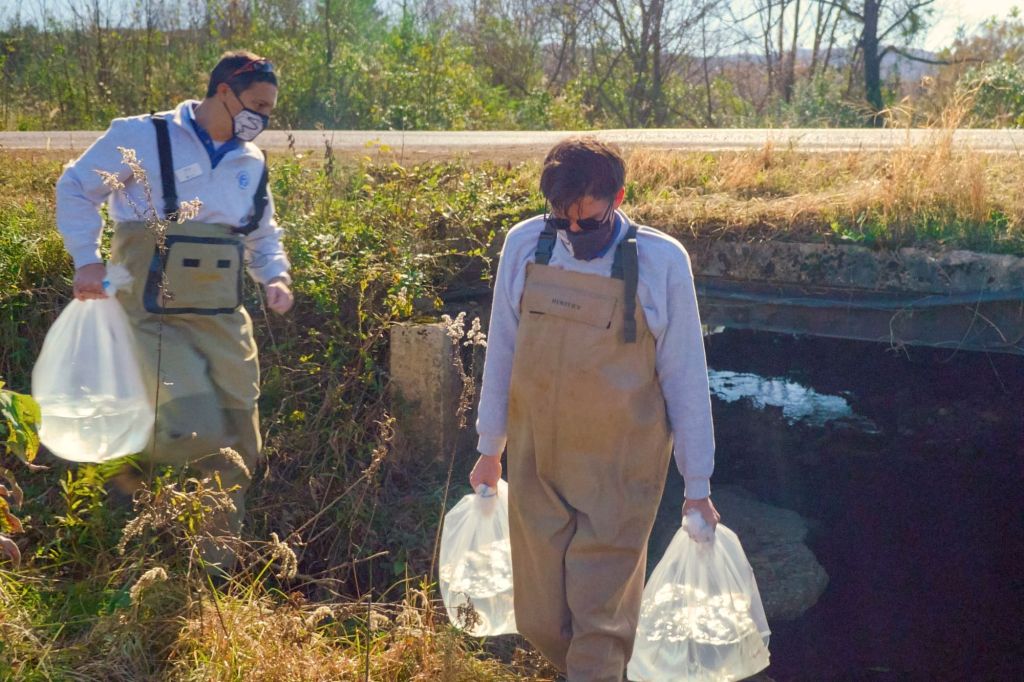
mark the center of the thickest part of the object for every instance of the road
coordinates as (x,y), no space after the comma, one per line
(518,145)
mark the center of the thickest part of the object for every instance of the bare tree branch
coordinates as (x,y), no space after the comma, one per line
(924,60)
(906,15)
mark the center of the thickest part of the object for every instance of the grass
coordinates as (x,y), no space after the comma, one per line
(373,243)
(930,196)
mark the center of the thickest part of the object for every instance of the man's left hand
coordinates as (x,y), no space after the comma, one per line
(279,296)
(706,509)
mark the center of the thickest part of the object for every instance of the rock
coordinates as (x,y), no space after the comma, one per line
(789,576)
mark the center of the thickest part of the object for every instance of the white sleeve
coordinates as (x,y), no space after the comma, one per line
(264,253)
(683,374)
(81,192)
(492,416)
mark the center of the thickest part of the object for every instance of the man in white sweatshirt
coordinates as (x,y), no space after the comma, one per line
(595,366)
(194,337)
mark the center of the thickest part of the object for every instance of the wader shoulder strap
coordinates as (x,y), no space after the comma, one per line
(545,244)
(626,267)
(259,202)
(163,146)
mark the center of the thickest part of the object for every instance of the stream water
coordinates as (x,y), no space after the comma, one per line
(907,466)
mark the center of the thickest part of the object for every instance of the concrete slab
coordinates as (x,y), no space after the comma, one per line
(425,390)
(949,299)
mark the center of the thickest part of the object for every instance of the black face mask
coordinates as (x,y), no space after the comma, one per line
(593,236)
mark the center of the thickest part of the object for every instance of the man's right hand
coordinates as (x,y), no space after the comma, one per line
(487,471)
(89,281)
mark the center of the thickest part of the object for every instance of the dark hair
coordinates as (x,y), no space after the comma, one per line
(231,62)
(579,167)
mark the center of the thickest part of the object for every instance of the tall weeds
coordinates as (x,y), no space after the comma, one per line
(934,193)
(349,537)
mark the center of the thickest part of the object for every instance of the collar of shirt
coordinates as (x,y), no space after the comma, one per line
(215,153)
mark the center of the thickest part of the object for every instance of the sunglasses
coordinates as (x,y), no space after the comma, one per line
(255,66)
(585,224)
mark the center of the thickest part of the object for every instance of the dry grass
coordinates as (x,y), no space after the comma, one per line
(254,640)
(259,639)
(928,194)
(176,627)
(936,193)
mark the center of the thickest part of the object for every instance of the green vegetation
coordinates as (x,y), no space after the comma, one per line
(508,64)
(343,587)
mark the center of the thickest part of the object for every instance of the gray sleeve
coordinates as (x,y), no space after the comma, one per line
(682,370)
(492,416)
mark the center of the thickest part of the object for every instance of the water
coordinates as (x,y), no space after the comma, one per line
(682,612)
(917,524)
(798,403)
(95,428)
(481,573)
(482,577)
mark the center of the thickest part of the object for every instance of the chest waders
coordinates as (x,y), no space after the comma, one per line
(588,451)
(196,343)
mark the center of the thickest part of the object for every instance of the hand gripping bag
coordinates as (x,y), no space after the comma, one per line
(88,383)
(475,565)
(701,617)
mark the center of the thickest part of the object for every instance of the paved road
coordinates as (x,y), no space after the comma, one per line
(504,145)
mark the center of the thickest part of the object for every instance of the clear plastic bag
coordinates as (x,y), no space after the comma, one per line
(701,617)
(88,383)
(475,565)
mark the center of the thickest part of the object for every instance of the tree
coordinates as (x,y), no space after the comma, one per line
(896,21)
(347,20)
(654,37)
(507,38)
(826,23)
(780,31)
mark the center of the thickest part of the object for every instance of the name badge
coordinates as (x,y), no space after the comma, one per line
(188,172)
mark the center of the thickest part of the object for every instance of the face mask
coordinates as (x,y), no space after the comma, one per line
(247,123)
(587,244)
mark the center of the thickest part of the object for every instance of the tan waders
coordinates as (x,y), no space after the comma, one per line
(588,451)
(198,355)
(196,346)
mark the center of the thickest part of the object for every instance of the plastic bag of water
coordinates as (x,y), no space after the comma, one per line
(475,566)
(88,383)
(701,617)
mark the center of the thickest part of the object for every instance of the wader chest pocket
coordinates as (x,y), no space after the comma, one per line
(204,276)
(584,307)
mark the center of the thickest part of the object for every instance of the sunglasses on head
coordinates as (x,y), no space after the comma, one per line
(586,224)
(255,66)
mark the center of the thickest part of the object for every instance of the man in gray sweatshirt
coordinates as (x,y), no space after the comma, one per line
(595,367)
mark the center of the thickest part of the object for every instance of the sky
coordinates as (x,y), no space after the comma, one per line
(950,14)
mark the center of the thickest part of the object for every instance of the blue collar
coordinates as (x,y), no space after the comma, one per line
(215,154)
(613,240)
